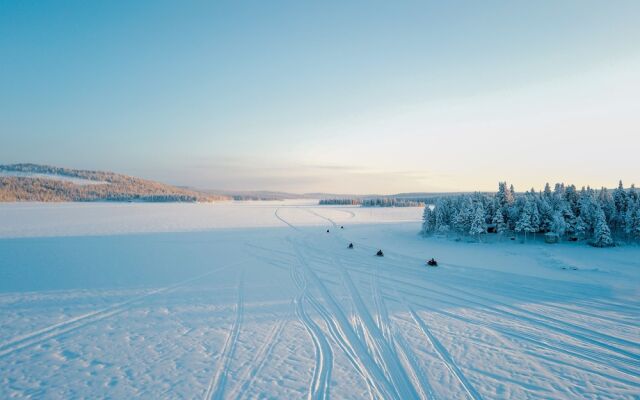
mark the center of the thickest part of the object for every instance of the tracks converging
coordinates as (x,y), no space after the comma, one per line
(387,367)
(390,369)
(393,326)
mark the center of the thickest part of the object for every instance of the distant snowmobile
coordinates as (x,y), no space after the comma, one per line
(380,253)
(432,263)
(350,246)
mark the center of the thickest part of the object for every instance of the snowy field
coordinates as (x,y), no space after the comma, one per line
(256,300)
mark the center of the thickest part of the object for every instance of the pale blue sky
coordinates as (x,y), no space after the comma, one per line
(326,96)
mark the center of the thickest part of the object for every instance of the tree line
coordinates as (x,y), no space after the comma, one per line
(600,217)
(115,187)
(373,202)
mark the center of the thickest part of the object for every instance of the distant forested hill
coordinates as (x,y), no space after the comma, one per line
(33,182)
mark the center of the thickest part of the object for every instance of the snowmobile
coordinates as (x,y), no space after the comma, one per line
(350,246)
(432,263)
(380,253)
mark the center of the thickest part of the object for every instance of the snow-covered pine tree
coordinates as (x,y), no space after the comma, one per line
(498,220)
(558,224)
(505,195)
(523,223)
(602,233)
(581,229)
(489,208)
(464,216)
(558,196)
(546,212)
(569,219)
(443,212)
(514,211)
(632,220)
(610,212)
(572,198)
(535,218)
(428,221)
(620,199)
(478,223)
(632,194)
(587,210)
(635,229)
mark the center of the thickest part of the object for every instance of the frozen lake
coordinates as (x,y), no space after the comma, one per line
(256,300)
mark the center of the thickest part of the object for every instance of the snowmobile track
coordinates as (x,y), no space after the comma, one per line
(219,379)
(73,324)
(319,385)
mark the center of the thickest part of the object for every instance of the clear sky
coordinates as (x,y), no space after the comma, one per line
(356,97)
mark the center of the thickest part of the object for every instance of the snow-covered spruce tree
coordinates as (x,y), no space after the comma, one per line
(570,219)
(514,211)
(504,197)
(443,212)
(608,206)
(581,229)
(523,224)
(601,234)
(632,220)
(635,222)
(633,195)
(478,223)
(489,208)
(558,224)
(535,214)
(428,221)
(572,197)
(464,216)
(498,220)
(546,211)
(558,197)
(587,210)
(620,203)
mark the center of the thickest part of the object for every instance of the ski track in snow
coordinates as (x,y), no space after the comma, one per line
(381,343)
(446,357)
(73,324)
(446,297)
(257,364)
(384,353)
(394,336)
(375,376)
(369,315)
(218,381)
(319,385)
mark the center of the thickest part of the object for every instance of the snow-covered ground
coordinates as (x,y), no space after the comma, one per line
(257,300)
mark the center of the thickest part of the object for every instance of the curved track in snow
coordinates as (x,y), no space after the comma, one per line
(309,318)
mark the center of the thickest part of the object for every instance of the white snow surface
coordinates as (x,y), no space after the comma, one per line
(30,219)
(257,300)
